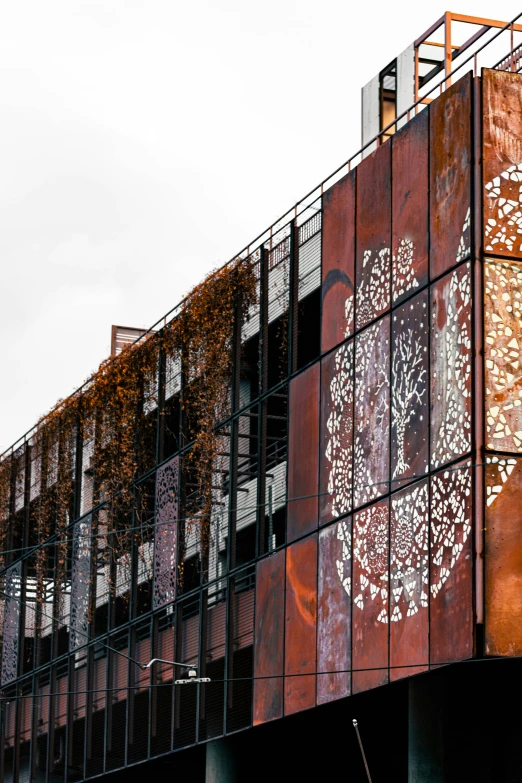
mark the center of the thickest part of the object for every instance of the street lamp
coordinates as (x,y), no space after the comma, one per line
(192,671)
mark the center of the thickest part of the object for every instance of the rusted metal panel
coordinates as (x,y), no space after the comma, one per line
(450,176)
(11,623)
(451,565)
(373,243)
(410,207)
(303,453)
(502,345)
(334,612)
(409,576)
(166,533)
(410,390)
(451,366)
(371,538)
(504,557)
(269,638)
(336,452)
(301,625)
(372,412)
(502,162)
(338,262)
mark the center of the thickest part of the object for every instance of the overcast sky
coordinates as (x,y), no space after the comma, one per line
(143,142)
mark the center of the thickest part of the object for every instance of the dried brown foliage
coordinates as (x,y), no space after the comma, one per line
(109,411)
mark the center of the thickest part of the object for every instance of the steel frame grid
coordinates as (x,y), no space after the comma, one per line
(474,299)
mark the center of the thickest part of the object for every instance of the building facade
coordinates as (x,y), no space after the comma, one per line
(366,519)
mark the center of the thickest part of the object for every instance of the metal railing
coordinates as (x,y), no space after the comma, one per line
(306,207)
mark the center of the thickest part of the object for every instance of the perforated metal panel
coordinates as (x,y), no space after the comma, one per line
(165,539)
(11,630)
(80,582)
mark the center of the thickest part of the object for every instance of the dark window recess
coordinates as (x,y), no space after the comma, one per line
(44,647)
(245,545)
(171,421)
(63,641)
(250,365)
(28,662)
(121,609)
(147,429)
(143,597)
(101,614)
(309,331)
(278,350)
(191,574)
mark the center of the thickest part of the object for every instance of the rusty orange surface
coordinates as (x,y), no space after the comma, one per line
(373,236)
(333,614)
(450,176)
(336,444)
(371,537)
(451,566)
(410,207)
(269,638)
(410,390)
(502,162)
(338,261)
(409,588)
(303,453)
(503,552)
(301,625)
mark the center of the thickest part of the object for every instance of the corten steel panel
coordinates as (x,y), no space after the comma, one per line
(303,453)
(373,232)
(410,207)
(334,612)
(338,261)
(450,176)
(80,582)
(410,390)
(409,588)
(336,451)
(504,557)
(301,625)
(450,435)
(371,538)
(372,412)
(502,162)
(503,340)
(11,623)
(165,539)
(451,565)
(269,638)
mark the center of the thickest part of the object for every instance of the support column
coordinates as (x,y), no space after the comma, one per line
(425,730)
(220,764)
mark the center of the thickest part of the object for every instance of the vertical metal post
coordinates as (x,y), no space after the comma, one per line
(69,720)
(270,521)
(160,424)
(231,596)
(293,303)
(447,48)
(234,440)
(263,385)
(201,712)
(154,679)
(2,737)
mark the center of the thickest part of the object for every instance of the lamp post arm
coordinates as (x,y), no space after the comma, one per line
(170,663)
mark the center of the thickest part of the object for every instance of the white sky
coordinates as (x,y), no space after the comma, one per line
(143,142)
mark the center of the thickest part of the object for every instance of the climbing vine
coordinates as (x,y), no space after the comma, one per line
(110,424)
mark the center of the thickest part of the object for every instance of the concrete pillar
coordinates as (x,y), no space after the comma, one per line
(220,764)
(426,730)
